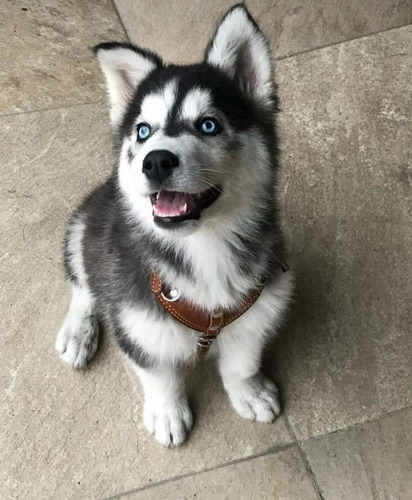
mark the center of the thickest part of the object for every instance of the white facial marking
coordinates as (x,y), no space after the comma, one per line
(197,102)
(155,107)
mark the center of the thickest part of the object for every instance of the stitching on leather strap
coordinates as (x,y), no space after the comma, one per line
(153,283)
(178,316)
(175,314)
(157,291)
(224,318)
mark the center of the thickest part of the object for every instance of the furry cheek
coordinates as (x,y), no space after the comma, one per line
(133,186)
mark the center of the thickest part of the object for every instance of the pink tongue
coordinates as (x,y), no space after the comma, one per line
(171,204)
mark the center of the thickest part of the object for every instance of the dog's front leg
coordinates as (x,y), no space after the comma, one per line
(251,393)
(166,410)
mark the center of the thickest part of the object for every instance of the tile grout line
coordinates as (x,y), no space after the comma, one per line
(119,17)
(354,425)
(99,101)
(334,44)
(305,460)
(278,59)
(302,453)
(56,108)
(270,451)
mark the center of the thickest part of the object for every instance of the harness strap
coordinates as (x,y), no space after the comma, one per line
(187,313)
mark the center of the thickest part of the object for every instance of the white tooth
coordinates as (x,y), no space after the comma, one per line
(185,208)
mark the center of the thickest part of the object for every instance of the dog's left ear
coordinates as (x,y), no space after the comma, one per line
(241,50)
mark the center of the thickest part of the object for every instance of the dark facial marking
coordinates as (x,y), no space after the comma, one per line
(234,145)
(130,155)
(238,107)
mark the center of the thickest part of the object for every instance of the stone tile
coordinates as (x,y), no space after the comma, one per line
(292,27)
(371,461)
(272,477)
(46,57)
(345,355)
(68,434)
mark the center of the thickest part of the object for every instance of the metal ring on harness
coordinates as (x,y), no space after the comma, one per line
(173,296)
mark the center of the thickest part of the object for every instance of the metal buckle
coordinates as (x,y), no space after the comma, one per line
(172,296)
(205,341)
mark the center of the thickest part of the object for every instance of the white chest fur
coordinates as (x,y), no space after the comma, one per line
(170,341)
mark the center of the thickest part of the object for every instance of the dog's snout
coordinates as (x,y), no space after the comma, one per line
(159,164)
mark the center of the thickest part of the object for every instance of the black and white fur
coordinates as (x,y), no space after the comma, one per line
(112,243)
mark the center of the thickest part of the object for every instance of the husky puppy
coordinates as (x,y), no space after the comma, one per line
(192,198)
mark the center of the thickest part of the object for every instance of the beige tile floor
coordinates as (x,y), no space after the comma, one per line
(344,359)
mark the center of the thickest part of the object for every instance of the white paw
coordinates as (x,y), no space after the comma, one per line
(169,422)
(255,398)
(77,340)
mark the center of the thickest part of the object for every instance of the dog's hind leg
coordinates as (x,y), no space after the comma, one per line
(78,337)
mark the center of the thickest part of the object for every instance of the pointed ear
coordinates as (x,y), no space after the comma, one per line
(241,50)
(124,67)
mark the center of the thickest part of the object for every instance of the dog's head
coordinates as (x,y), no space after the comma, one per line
(194,141)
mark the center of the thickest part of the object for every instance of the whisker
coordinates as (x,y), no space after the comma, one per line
(210,169)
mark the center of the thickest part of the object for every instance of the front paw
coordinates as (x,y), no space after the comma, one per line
(77,340)
(169,421)
(254,398)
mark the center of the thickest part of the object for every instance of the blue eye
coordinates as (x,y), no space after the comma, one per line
(143,131)
(209,126)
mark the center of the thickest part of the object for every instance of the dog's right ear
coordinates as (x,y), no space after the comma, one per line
(124,67)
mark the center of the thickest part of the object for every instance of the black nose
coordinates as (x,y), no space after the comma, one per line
(159,164)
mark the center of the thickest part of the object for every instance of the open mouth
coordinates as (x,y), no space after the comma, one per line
(174,206)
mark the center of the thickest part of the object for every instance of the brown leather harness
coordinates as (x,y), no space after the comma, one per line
(208,324)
